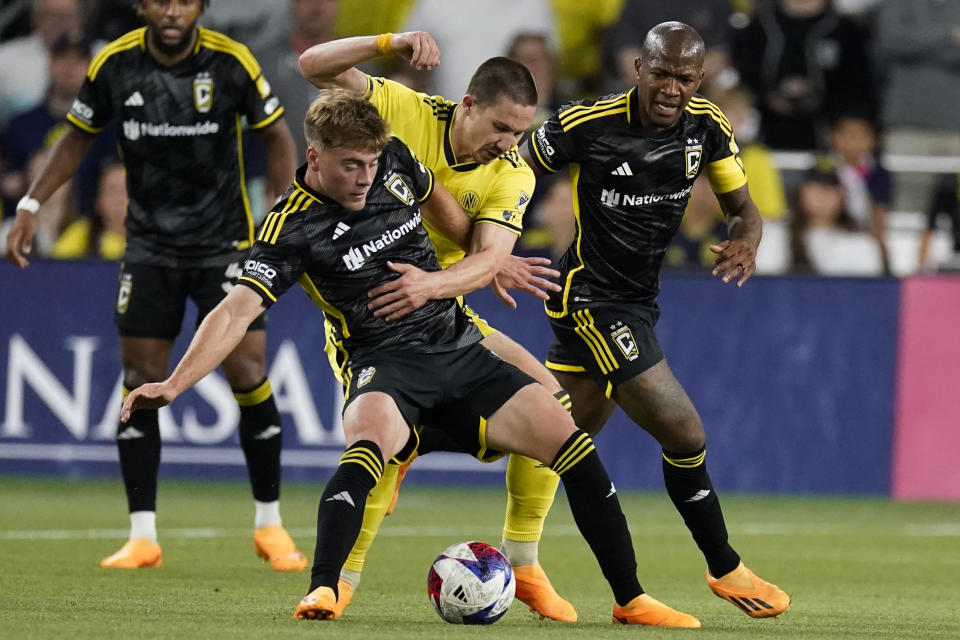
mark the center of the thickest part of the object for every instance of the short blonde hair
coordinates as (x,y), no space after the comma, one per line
(340,118)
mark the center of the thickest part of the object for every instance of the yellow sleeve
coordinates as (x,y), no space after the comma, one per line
(507,201)
(727,174)
(402,107)
(73,242)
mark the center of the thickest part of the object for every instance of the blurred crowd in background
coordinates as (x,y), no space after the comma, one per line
(844,110)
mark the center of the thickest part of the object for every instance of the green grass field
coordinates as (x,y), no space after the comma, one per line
(855,568)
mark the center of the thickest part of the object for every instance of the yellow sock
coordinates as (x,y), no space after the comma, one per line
(376,508)
(531,488)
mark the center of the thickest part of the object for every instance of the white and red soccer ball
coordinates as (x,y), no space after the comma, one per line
(471,583)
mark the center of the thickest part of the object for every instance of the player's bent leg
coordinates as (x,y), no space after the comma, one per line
(514,353)
(261,437)
(138,445)
(375,429)
(531,424)
(656,400)
(373,513)
(531,488)
(590,407)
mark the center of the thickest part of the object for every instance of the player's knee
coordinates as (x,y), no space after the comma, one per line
(685,434)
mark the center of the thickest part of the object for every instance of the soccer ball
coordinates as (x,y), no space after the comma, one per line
(471,583)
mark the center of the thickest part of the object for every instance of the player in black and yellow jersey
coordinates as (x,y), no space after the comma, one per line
(471,147)
(633,158)
(177,95)
(354,213)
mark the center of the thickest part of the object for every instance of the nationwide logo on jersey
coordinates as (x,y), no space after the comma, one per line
(341,229)
(612,198)
(470,201)
(135,100)
(357,256)
(366,375)
(691,155)
(399,188)
(203,92)
(623,338)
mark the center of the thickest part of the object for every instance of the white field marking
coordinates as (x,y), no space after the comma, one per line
(942,529)
(230,456)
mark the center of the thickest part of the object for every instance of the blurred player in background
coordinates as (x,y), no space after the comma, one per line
(635,156)
(471,146)
(178,93)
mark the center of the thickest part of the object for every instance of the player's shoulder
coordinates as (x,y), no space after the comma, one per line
(706,113)
(510,163)
(132,43)
(590,113)
(227,46)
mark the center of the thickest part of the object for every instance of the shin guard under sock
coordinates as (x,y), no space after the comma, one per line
(596,510)
(692,493)
(340,512)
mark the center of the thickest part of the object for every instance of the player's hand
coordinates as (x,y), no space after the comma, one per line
(406,294)
(524,274)
(735,259)
(20,238)
(148,396)
(418,48)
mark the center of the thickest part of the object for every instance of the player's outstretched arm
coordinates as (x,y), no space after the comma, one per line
(61,163)
(528,274)
(219,333)
(737,257)
(332,64)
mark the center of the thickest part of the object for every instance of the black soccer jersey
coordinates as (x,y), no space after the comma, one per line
(630,191)
(338,255)
(179,134)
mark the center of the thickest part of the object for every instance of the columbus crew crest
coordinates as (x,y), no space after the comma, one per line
(691,156)
(623,338)
(203,92)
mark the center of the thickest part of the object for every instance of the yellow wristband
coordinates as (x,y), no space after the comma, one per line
(383,44)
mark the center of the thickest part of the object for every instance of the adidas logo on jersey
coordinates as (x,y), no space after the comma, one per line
(622,170)
(135,100)
(340,230)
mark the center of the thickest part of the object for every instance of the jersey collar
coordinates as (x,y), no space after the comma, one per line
(448,153)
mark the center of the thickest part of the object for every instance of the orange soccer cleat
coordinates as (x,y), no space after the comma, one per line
(319,604)
(135,554)
(534,589)
(645,609)
(274,544)
(755,597)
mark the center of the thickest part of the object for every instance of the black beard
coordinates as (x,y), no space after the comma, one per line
(171,51)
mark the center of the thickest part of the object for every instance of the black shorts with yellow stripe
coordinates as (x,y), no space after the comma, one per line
(611,342)
(455,391)
(151,300)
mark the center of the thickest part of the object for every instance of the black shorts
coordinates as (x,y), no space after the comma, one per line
(151,300)
(454,391)
(611,342)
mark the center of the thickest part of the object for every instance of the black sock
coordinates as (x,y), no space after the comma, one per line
(138,443)
(340,513)
(261,439)
(596,510)
(689,486)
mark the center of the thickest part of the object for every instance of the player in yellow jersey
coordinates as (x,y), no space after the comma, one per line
(471,148)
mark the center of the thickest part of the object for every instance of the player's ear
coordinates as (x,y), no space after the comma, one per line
(313,159)
(469,104)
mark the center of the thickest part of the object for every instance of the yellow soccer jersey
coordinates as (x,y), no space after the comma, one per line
(495,193)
